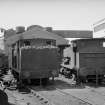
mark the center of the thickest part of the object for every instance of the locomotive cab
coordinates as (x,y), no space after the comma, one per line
(34,59)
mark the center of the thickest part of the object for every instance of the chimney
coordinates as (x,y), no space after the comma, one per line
(20,29)
(49,29)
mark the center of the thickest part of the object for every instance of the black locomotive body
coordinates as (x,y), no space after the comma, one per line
(33,54)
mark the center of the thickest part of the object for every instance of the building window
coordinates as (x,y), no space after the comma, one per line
(103,44)
(27,43)
(48,42)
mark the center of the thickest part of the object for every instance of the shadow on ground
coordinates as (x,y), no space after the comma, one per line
(94,85)
(60,84)
(24,90)
(11,104)
(65,85)
(57,84)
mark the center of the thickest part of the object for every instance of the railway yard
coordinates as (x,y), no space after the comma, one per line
(63,91)
(52,65)
(40,68)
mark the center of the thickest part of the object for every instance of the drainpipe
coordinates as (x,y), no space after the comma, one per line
(74,50)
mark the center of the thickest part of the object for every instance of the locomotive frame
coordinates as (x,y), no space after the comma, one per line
(25,68)
(20,45)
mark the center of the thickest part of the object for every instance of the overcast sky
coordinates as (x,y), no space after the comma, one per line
(59,14)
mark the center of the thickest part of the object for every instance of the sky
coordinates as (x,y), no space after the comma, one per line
(59,14)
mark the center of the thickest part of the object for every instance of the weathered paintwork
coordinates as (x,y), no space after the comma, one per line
(39,63)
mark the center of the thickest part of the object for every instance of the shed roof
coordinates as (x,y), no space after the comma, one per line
(92,50)
(74,33)
(89,39)
(36,33)
(94,45)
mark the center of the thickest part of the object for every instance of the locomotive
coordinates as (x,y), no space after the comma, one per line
(86,59)
(33,54)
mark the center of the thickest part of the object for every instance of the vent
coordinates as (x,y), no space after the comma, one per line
(20,29)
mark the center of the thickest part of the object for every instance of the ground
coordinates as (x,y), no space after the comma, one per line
(63,91)
(89,92)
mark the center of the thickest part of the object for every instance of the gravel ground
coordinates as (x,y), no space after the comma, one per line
(91,94)
(70,94)
(19,98)
(16,98)
(62,92)
(57,98)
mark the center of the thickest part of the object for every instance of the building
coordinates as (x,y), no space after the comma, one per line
(62,37)
(99,29)
(74,34)
(1,40)
(32,32)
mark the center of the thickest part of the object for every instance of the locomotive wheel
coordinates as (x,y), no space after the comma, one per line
(44,81)
(73,77)
(90,80)
(16,75)
(81,79)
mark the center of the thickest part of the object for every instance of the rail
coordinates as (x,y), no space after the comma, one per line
(49,102)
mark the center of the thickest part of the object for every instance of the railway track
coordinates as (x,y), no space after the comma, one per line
(63,94)
(90,96)
(54,96)
(83,101)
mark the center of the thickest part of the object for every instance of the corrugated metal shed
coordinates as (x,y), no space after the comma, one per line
(95,45)
(36,33)
(9,32)
(74,33)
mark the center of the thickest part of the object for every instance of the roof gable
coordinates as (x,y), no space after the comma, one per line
(74,33)
(37,33)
